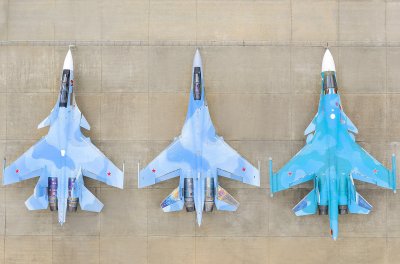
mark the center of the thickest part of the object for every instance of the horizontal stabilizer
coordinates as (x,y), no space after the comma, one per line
(88,201)
(37,203)
(172,202)
(359,205)
(224,201)
(307,206)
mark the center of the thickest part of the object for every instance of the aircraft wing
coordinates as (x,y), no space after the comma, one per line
(362,165)
(300,169)
(165,166)
(30,164)
(229,163)
(94,163)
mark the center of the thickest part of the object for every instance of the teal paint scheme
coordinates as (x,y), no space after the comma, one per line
(63,157)
(198,156)
(332,160)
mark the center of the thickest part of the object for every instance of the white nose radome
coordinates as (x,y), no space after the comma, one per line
(68,62)
(327,62)
(197,59)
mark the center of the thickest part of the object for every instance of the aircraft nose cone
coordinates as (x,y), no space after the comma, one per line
(328,64)
(68,62)
(197,59)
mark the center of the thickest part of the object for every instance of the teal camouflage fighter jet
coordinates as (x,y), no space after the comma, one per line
(198,156)
(63,157)
(332,160)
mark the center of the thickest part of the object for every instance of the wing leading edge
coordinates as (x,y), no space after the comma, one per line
(363,166)
(167,165)
(229,163)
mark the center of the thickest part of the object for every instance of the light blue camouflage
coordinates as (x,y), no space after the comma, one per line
(62,157)
(198,156)
(332,160)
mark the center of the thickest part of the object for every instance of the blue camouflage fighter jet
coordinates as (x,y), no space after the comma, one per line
(63,157)
(332,160)
(198,156)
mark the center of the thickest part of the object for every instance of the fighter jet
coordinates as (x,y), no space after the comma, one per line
(332,160)
(63,157)
(198,156)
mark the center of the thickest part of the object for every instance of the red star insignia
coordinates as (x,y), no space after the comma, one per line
(17,171)
(243,169)
(375,171)
(153,170)
(108,173)
(289,173)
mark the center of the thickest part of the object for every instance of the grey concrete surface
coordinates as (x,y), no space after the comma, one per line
(262,74)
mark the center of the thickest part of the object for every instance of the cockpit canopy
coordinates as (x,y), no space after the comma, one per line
(64,89)
(329,82)
(197,83)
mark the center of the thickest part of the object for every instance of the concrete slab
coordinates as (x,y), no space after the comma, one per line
(393,245)
(172,20)
(31,69)
(294,250)
(170,68)
(246,70)
(250,116)
(3,19)
(393,69)
(362,20)
(130,249)
(2,212)
(124,69)
(392,21)
(125,20)
(232,250)
(165,249)
(75,249)
(393,220)
(82,21)
(315,20)
(31,21)
(20,221)
(28,249)
(25,111)
(124,213)
(243,20)
(362,70)
(3,68)
(132,112)
(167,114)
(362,250)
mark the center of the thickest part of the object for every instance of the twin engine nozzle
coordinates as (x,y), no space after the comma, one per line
(323,209)
(72,202)
(189,196)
